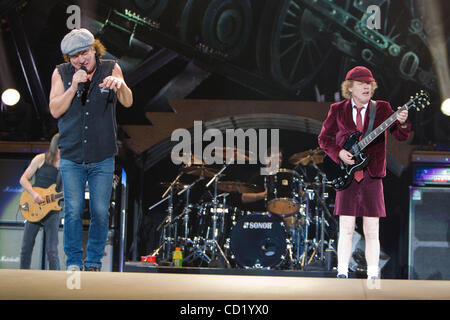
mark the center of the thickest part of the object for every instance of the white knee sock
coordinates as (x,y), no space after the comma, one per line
(372,271)
(343,269)
(372,252)
(346,229)
(344,252)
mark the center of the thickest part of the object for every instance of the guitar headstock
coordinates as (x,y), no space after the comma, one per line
(420,101)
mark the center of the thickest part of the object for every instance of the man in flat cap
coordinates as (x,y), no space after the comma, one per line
(83,96)
(363,197)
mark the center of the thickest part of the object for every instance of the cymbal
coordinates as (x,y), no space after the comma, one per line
(305,157)
(241,187)
(177,185)
(187,158)
(229,153)
(201,171)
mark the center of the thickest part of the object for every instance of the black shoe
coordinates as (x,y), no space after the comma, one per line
(95,269)
(342,276)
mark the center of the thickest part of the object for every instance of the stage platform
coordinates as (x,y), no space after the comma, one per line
(158,285)
(310,272)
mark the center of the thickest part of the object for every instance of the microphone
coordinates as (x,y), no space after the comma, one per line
(80,90)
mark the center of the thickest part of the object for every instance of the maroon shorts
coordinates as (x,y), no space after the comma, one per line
(361,199)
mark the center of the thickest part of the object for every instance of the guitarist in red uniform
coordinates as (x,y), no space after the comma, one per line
(363,197)
(44,167)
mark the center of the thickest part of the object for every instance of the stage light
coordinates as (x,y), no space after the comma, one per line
(10,97)
(445,107)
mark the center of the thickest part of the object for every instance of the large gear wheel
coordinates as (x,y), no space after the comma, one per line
(292,46)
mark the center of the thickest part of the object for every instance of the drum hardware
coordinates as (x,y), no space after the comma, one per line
(200,246)
(209,231)
(187,209)
(314,252)
(319,242)
(241,187)
(169,230)
(212,242)
(169,234)
(177,186)
(315,195)
(197,253)
(322,179)
(212,234)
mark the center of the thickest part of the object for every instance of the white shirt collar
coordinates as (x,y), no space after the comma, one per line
(364,106)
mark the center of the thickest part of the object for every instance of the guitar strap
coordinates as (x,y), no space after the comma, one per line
(59,181)
(373,110)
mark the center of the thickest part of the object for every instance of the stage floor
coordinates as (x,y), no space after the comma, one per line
(65,285)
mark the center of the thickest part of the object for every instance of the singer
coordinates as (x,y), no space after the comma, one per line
(83,96)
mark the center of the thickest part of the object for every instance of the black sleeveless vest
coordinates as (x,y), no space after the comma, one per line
(45,176)
(87,131)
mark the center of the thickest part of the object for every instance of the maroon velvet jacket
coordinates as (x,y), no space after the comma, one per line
(339,125)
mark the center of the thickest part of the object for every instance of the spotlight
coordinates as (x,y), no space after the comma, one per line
(445,107)
(10,97)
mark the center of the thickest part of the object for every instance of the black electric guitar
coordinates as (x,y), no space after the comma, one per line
(340,175)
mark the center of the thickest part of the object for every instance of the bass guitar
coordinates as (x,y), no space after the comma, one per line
(35,212)
(340,175)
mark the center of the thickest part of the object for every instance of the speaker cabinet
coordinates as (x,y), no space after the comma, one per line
(11,245)
(429,233)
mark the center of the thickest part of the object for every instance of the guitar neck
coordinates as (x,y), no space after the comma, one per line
(380,129)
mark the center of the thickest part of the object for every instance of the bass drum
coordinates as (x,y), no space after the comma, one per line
(259,241)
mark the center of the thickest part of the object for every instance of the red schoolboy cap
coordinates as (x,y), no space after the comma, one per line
(360,73)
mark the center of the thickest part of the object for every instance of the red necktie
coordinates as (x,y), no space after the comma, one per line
(359,126)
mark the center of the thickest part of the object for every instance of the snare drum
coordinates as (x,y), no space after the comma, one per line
(283,192)
(259,241)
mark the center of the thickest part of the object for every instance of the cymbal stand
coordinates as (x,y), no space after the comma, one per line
(187,210)
(321,196)
(324,220)
(224,211)
(297,231)
(309,197)
(317,241)
(213,242)
(321,199)
(169,231)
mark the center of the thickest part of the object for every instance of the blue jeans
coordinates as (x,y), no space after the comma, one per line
(99,176)
(51,225)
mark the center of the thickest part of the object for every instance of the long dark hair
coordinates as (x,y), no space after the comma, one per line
(52,152)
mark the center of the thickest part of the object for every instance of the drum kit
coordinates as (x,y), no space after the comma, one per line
(293,232)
